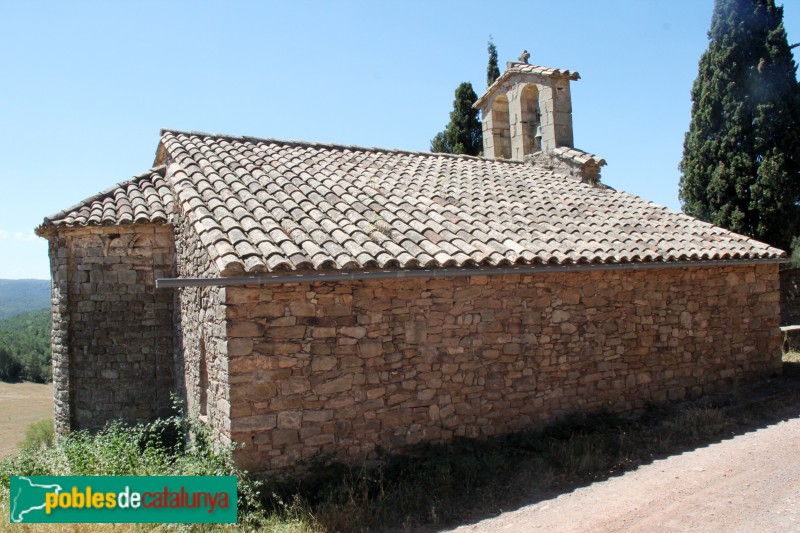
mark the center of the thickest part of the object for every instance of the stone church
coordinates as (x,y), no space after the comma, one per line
(311,298)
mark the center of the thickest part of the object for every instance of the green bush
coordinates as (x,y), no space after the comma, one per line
(38,435)
(160,448)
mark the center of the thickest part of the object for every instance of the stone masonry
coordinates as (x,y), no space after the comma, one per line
(201,362)
(112,331)
(343,368)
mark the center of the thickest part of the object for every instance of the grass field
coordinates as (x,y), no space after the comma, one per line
(22,404)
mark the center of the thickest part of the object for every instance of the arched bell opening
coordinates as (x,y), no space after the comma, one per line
(501,129)
(530,119)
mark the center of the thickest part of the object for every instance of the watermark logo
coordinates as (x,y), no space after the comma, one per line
(122,499)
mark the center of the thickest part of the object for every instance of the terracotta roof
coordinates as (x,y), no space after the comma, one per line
(578,156)
(266,205)
(548,72)
(144,198)
(263,205)
(524,68)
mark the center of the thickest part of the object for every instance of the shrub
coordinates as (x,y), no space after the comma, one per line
(160,448)
(38,435)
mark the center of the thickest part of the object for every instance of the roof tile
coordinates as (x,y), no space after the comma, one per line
(144,198)
(265,205)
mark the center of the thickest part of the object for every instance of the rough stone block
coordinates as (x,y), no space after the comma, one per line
(302,309)
(268,310)
(416,332)
(254,422)
(240,346)
(317,416)
(323,332)
(337,385)
(244,329)
(356,332)
(287,332)
(283,437)
(370,348)
(323,363)
(290,420)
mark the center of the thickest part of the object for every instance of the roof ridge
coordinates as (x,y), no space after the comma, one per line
(335,146)
(517,67)
(582,156)
(104,193)
(559,71)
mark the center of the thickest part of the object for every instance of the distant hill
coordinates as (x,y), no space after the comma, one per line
(20,295)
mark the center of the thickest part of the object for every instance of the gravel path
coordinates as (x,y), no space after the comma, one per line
(748,483)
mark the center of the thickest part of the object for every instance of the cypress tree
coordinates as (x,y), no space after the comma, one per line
(463,134)
(439,144)
(492,70)
(741,155)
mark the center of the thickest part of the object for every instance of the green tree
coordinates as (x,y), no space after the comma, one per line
(492,70)
(439,143)
(463,134)
(10,367)
(25,347)
(741,155)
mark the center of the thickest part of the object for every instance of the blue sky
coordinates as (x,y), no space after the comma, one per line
(88,85)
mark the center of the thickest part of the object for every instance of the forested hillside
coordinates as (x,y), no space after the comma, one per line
(19,295)
(25,347)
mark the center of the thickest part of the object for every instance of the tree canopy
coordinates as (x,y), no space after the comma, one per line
(741,157)
(25,347)
(463,134)
(492,70)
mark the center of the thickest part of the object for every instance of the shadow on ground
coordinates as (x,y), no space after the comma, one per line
(746,409)
(440,486)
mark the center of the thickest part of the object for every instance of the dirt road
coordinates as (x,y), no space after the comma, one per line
(748,483)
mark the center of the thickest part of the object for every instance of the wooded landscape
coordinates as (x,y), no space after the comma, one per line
(25,347)
(25,330)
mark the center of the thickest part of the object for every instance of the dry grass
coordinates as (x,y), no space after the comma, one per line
(22,404)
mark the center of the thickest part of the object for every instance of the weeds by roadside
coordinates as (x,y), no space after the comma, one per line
(159,448)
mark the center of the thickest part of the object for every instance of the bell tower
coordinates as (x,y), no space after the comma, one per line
(528,109)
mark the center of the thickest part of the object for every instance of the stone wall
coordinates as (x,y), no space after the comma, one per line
(340,368)
(496,127)
(201,363)
(790,296)
(59,333)
(112,332)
